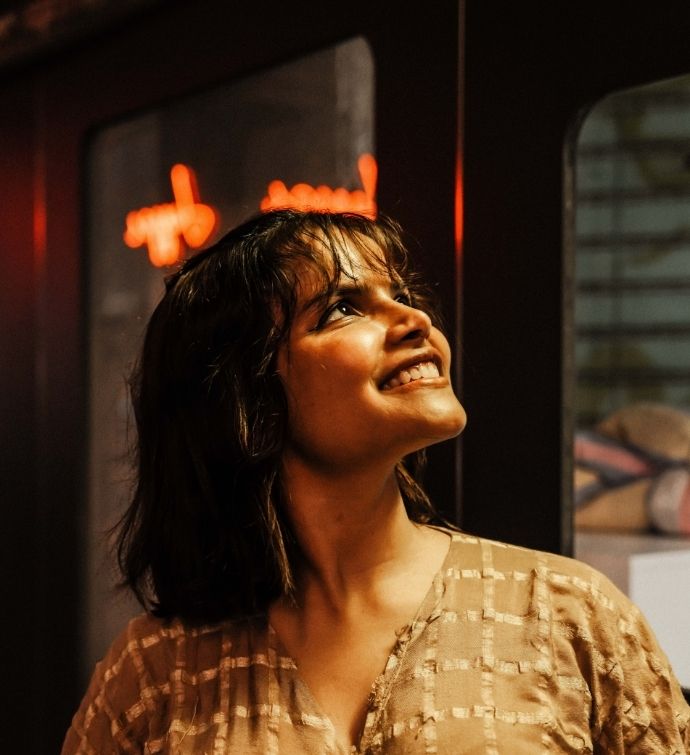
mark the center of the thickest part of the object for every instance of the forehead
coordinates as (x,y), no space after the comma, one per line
(332,261)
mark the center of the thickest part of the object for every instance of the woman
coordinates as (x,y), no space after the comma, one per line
(300,600)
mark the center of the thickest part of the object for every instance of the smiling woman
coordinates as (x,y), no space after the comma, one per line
(302,595)
(363,357)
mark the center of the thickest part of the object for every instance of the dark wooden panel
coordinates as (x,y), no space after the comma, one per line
(18,460)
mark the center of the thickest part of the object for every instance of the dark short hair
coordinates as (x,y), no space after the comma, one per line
(206,536)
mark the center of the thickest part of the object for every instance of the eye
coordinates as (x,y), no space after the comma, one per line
(405,297)
(337,311)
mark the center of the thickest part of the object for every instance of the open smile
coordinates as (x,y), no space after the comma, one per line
(411,373)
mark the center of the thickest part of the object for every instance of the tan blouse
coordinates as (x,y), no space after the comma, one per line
(512,651)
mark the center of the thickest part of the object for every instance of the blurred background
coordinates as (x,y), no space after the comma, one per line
(538,156)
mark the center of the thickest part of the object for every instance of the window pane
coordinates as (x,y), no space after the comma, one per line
(305,122)
(632,352)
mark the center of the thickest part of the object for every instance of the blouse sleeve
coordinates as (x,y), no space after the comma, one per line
(117,711)
(637,703)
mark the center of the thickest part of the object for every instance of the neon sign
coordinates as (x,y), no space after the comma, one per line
(167,228)
(164,227)
(302,196)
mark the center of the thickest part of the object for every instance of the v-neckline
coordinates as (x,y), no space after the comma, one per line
(428,610)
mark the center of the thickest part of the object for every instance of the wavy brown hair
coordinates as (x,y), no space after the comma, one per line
(206,536)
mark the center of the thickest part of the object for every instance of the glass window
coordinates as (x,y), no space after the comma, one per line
(309,122)
(632,350)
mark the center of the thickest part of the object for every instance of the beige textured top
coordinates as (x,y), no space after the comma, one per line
(512,651)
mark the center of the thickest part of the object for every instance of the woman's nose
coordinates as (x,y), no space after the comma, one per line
(408,323)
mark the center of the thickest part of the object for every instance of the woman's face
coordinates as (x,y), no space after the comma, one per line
(367,376)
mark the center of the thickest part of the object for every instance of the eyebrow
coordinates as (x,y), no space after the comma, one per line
(347,289)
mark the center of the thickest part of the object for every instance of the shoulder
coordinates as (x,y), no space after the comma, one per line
(129,696)
(142,649)
(561,575)
(153,648)
(587,627)
(127,684)
(576,601)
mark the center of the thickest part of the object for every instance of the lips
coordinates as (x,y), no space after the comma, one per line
(411,372)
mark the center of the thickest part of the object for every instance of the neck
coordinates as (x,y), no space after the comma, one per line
(353,529)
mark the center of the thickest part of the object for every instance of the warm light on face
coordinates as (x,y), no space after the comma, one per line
(305,197)
(163,227)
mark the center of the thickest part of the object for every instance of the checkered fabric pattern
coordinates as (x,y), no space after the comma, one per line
(512,651)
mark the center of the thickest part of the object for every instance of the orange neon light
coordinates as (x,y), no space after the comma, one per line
(459,207)
(305,197)
(163,227)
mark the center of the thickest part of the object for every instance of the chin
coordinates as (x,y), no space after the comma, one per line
(441,424)
(459,425)
(453,427)
(449,415)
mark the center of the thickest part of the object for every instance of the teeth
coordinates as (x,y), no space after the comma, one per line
(416,372)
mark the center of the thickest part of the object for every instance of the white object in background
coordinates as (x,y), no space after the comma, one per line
(659,583)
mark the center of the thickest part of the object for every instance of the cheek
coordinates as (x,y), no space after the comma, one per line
(441,343)
(324,382)
(348,361)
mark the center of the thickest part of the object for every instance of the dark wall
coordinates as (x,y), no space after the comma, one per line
(18,366)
